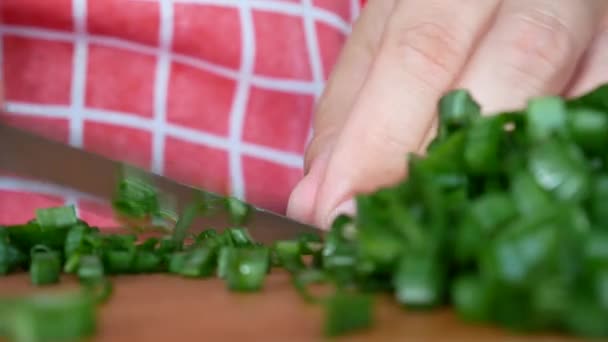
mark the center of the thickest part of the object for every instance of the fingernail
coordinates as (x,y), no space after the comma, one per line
(301,202)
(347,207)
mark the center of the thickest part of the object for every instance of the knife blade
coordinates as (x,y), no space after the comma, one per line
(27,154)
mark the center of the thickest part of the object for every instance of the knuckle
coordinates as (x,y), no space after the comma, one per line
(539,45)
(431,49)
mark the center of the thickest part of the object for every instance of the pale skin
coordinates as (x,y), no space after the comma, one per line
(403,55)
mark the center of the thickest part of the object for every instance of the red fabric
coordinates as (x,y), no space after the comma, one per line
(218,96)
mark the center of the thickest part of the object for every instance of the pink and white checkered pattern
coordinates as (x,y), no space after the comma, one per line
(214,93)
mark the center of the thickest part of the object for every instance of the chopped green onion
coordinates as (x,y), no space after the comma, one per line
(90,269)
(177,262)
(482,149)
(166,245)
(4,252)
(146,262)
(310,243)
(206,235)
(560,169)
(472,299)
(60,317)
(59,217)
(588,128)
(149,245)
(225,256)
(239,211)
(347,313)
(240,237)
(418,281)
(72,262)
(289,254)
(31,234)
(247,268)
(75,240)
(199,262)
(136,197)
(546,117)
(456,110)
(119,261)
(184,223)
(303,278)
(45,265)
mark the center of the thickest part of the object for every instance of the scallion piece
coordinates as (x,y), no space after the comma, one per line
(90,269)
(546,117)
(419,281)
(146,262)
(471,298)
(119,261)
(45,265)
(199,262)
(238,210)
(59,317)
(184,223)
(240,237)
(136,197)
(347,313)
(247,268)
(177,261)
(289,254)
(58,217)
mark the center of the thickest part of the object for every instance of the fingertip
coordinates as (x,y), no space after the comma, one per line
(301,202)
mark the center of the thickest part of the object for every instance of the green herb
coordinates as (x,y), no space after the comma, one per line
(59,317)
(90,269)
(59,217)
(346,313)
(505,219)
(239,211)
(247,269)
(45,265)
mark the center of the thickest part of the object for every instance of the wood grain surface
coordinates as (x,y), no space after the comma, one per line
(167,308)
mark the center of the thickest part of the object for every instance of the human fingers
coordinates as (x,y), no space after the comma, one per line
(336,101)
(532,49)
(593,70)
(423,49)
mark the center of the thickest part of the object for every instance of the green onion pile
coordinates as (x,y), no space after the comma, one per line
(505,219)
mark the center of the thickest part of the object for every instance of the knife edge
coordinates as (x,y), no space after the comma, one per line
(49,161)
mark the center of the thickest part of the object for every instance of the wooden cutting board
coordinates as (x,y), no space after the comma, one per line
(167,308)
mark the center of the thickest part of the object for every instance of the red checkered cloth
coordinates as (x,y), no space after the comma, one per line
(213,93)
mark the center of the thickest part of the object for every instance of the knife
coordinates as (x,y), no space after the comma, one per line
(30,155)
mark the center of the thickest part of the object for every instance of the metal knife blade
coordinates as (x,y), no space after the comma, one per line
(30,155)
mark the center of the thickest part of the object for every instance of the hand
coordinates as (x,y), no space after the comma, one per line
(403,55)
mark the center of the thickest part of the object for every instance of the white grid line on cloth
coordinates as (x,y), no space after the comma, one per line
(239,105)
(161,85)
(270,154)
(42,188)
(265,82)
(79,72)
(312,44)
(72,199)
(287,8)
(314,56)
